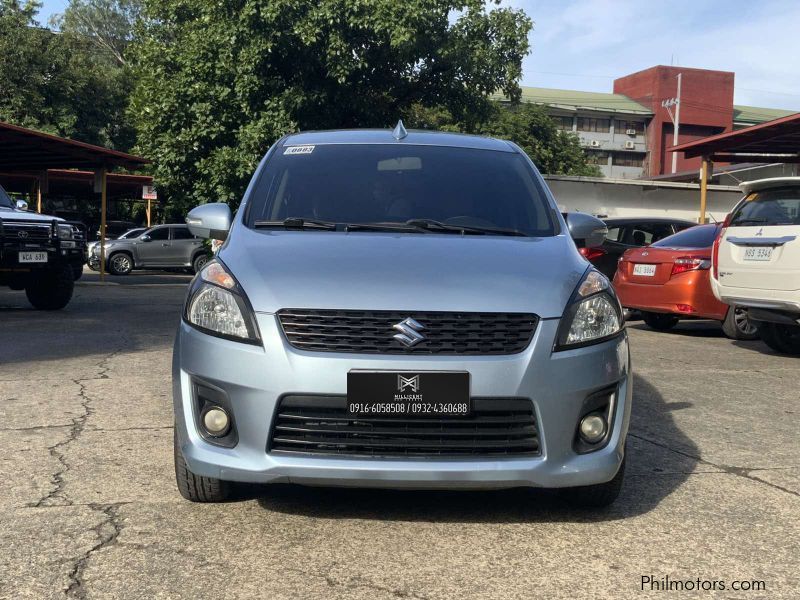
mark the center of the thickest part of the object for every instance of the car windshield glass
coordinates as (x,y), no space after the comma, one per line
(779,206)
(394,184)
(5,201)
(701,236)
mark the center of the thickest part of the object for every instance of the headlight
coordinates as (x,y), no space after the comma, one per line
(216,305)
(593,314)
(65,232)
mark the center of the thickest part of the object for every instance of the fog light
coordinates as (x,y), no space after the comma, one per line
(593,428)
(216,421)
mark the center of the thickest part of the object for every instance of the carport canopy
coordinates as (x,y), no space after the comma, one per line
(771,142)
(776,141)
(30,150)
(23,149)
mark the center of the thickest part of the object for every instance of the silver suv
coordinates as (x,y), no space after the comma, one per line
(401,310)
(162,246)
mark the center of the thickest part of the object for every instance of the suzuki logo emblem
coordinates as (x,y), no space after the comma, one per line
(22,234)
(404,383)
(409,332)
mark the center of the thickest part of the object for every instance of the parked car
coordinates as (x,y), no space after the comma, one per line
(40,254)
(669,280)
(160,247)
(94,259)
(373,321)
(756,260)
(630,232)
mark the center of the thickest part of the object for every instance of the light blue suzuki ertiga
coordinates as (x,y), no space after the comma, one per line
(400,309)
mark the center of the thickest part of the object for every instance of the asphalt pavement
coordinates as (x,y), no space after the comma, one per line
(89,508)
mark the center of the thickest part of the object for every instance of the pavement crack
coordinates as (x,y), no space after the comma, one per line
(744,472)
(107,532)
(58,451)
(352,583)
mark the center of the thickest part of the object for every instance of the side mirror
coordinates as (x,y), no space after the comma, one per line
(210,220)
(586,230)
(146,238)
(22,205)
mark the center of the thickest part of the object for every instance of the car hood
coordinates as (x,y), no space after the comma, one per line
(388,271)
(11,214)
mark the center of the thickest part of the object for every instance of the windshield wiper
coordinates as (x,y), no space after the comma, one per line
(433,225)
(297,223)
(380,227)
(750,220)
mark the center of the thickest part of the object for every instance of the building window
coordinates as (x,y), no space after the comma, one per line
(593,124)
(596,158)
(563,123)
(627,159)
(621,127)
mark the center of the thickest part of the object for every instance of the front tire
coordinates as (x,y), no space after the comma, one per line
(738,326)
(596,496)
(659,321)
(120,263)
(197,488)
(781,338)
(51,289)
(77,272)
(199,262)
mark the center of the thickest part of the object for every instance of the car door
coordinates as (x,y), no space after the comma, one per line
(153,247)
(613,249)
(761,246)
(184,245)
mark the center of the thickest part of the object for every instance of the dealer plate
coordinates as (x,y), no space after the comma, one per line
(408,393)
(33,257)
(644,270)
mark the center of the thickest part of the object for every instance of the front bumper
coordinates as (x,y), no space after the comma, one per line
(255,377)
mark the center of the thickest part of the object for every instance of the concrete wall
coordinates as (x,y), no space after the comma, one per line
(624,198)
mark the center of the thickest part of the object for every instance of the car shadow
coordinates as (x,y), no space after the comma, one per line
(688,328)
(653,472)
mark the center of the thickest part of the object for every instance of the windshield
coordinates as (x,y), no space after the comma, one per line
(700,236)
(5,201)
(359,184)
(779,206)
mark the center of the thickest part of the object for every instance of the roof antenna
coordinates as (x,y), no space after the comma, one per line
(399,131)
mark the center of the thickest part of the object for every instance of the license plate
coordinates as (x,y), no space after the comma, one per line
(758,253)
(408,393)
(644,270)
(33,257)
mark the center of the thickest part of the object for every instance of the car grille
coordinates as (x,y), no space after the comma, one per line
(371,332)
(320,425)
(29,233)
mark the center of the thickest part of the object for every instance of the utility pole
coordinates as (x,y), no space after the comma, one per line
(676,120)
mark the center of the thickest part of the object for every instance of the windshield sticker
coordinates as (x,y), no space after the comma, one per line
(299,150)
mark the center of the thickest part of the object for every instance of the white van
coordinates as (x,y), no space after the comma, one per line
(756,260)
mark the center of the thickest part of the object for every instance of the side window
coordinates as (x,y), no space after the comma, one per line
(162,233)
(643,234)
(181,233)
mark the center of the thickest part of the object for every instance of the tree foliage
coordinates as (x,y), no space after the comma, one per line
(59,83)
(219,81)
(106,23)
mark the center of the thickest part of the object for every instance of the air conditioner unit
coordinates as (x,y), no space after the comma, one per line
(595,143)
(630,131)
(629,145)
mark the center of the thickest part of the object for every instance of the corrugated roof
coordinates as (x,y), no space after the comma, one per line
(756,114)
(574,100)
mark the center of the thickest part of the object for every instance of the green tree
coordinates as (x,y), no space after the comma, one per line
(219,81)
(59,83)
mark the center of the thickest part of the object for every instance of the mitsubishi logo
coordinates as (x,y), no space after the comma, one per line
(23,234)
(409,332)
(404,383)
(760,231)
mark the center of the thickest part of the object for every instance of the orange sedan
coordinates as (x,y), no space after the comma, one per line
(668,281)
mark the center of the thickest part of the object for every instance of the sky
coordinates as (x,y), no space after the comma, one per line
(586,44)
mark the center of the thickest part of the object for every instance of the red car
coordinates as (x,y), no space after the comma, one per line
(669,280)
